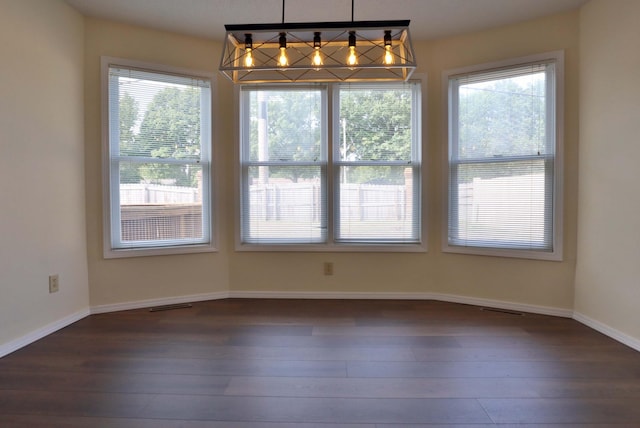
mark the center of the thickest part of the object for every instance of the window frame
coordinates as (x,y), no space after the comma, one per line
(557,107)
(245,162)
(331,169)
(109,178)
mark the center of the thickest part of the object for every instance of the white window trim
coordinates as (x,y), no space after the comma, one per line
(331,245)
(108,251)
(558,197)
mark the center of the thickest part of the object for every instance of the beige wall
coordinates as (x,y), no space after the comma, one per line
(42,220)
(530,282)
(540,283)
(143,278)
(608,269)
(526,281)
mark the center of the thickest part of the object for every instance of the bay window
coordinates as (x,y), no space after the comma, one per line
(330,166)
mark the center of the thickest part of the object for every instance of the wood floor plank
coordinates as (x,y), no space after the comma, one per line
(143,349)
(563,411)
(500,369)
(418,330)
(96,404)
(243,409)
(320,410)
(533,340)
(127,382)
(344,341)
(432,388)
(35,421)
(609,353)
(609,425)
(182,366)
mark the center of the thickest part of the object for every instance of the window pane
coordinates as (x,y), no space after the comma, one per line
(502,117)
(283,156)
(506,205)
(377,203)
(165,208)
(157,118)
(375,123)
(280,209)
(378,194)
(285,125)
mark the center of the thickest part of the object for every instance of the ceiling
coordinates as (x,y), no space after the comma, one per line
(430,19)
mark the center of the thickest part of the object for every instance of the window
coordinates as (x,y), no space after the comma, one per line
(503,169)
(377,164)
(323,174)
(158,160)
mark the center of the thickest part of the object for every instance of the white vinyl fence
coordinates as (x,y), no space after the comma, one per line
(301,202)
(142,193)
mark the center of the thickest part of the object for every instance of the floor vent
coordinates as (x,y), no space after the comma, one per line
(169,307)
(503,311)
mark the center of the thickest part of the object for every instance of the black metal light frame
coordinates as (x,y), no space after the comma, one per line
(372,39)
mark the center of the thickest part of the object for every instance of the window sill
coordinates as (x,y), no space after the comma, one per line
(507,253)
(334,248)
(158,251)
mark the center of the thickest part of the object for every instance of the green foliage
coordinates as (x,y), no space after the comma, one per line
(293,130)
(128,114)
(377,127)
(502,118)
(170,129)
(499,119)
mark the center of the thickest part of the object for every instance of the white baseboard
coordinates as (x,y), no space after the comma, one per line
(503,304)
(621,337)
(543,310)
(25,340)
(346,295)
(139,304)
(14,345)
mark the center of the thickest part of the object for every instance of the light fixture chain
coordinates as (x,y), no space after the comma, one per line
(283,11)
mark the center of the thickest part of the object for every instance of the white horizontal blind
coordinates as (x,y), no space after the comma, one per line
(159,157)
(502,144)
(284,165)
(377,157)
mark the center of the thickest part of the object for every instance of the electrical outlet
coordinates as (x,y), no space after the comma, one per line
(54,283)
(328,268)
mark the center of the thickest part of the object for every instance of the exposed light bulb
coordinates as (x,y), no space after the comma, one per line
(248,47)
(248,58)
(388,55)
(283,61)
(352,59)
(316,60)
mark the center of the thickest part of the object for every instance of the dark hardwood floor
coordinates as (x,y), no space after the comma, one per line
(321,363)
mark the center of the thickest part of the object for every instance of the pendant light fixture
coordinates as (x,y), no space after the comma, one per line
(248,47)
(283,61)
(318,51)
(388,48)
(352,58)
(316,60)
